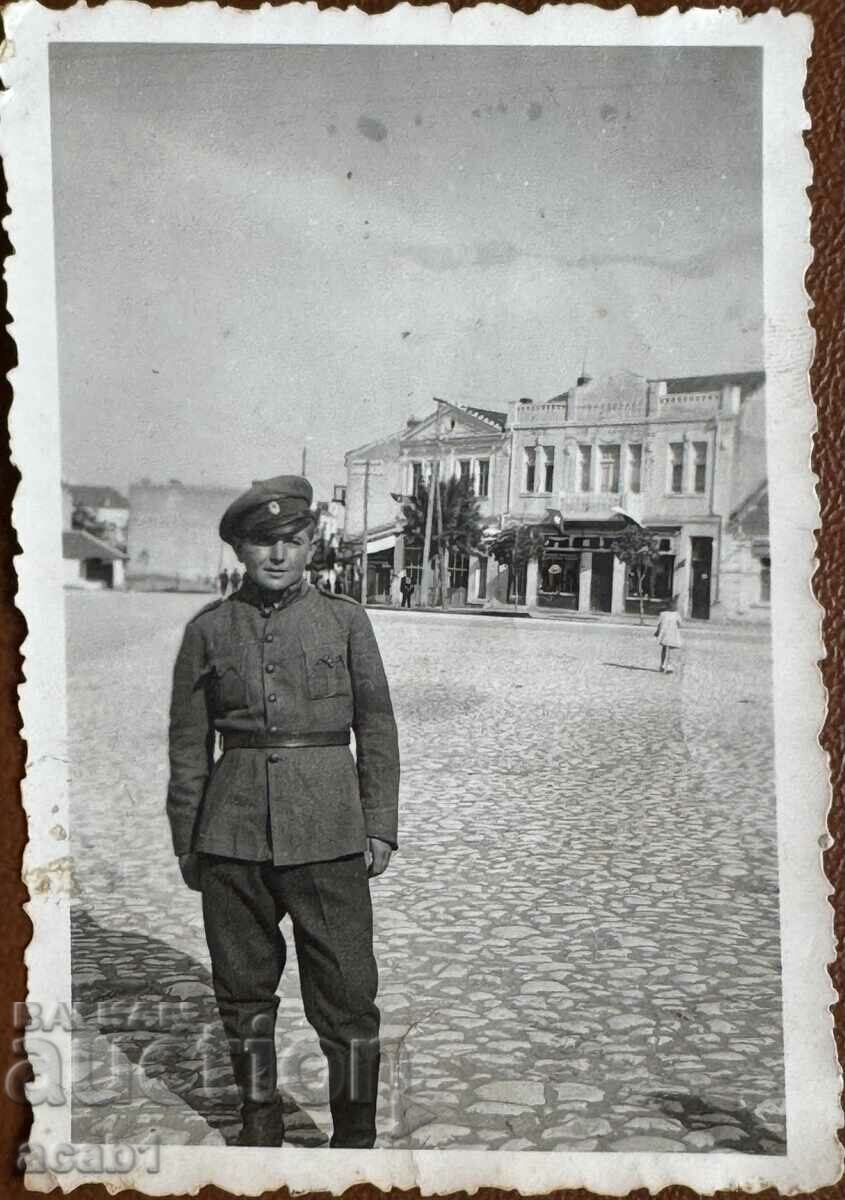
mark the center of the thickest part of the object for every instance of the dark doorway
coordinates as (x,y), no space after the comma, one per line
(702,564)
(601,587)
(99,570)
(520,578)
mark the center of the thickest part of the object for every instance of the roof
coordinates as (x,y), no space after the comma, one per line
(710,383)
(93,495)
(80,545)
(498,419)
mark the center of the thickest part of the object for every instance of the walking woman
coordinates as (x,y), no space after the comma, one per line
(668,634)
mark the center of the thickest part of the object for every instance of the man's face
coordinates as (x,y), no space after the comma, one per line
(277,565)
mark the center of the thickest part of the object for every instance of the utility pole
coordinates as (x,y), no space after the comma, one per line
(365,535)
(304,456)
(433,489)
(442,560)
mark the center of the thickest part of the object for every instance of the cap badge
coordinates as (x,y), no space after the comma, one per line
(274,508)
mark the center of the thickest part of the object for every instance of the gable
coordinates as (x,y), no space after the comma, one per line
(455,423)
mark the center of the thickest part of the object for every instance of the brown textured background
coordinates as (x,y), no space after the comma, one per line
(825,99)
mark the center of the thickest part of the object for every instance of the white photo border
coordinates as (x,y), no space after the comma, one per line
(814,1156)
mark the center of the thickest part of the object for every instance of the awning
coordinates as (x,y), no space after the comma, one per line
(381,543)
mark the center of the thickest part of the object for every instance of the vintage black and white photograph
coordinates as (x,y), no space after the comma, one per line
(417,579)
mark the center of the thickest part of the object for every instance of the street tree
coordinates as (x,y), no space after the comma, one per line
(638,549)
(460,518)
(516,546)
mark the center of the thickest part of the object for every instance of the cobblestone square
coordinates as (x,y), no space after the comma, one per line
(578,939)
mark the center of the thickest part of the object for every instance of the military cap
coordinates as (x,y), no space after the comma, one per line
(270,507)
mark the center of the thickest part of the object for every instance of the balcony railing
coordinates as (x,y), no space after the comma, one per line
(698,402)
(590,411)
(533,416)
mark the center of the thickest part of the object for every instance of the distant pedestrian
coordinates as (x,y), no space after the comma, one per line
(668,634)
(406,588)
(223,581)
(235,579)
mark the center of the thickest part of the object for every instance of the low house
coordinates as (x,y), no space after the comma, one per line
(90,562)
(100,510)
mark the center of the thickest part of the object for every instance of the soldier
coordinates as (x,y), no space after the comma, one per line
(286,820)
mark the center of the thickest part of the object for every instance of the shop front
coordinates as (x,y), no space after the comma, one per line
(579,572)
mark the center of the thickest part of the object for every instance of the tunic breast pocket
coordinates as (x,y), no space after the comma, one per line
(230,680)
(326,670)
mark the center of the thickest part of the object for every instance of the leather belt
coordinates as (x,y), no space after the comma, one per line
(284,741)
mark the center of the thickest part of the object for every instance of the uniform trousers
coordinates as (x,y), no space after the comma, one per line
(329,905)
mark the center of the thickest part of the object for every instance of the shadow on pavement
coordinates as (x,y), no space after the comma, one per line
(631,667)
(728,1127)
(156,1005)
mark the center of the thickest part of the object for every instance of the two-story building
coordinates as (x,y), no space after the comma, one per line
(467,442)
(680,456)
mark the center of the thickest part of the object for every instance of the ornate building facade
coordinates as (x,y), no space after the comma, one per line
(679,456)
(685,457)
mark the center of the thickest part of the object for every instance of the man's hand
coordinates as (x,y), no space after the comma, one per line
(377,856)
(189,865)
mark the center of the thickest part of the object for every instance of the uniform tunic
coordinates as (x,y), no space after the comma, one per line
(310,665)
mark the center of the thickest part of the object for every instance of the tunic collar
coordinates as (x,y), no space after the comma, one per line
(267,601)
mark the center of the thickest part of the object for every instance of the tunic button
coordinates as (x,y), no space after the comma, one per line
(269,668)
(272,697)
(274,758)
(274,729)
(268,637)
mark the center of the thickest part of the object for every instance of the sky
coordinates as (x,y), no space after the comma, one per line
(265,249)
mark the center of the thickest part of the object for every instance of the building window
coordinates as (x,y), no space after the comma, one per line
(530,476)
(339,493)
(676,467)
(458,571)
(765,581)
(483,489)
(635,468)
(657,581)
(585,467)
(416,477)
(609,469)
(560,575)
(464,466)
(700,466)
(549,469)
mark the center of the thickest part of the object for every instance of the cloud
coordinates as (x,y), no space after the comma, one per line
(693,266)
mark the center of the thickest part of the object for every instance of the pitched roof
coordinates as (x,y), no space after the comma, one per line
(94,495)
(488,414)
(709,383)
(78,544)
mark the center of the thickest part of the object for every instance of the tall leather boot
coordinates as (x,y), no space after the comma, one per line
(254,1066)
(353,1093)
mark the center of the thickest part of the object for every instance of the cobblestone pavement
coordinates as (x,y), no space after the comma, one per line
(578,941)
